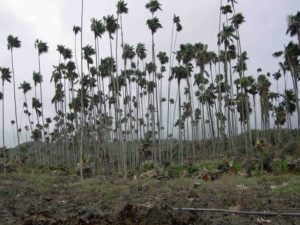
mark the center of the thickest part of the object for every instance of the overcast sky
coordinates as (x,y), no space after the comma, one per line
(52,21)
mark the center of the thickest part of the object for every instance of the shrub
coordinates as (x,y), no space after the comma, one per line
(280,166)
(192,169)
(174,170)
(147,165)
(224,166)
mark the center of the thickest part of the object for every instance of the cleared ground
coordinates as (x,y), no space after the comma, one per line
(27,199)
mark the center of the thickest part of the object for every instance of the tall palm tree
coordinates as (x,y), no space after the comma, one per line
(263,87)
(112,26)
(81,95)
(141,53)
(5,77)
(13,42)
(186,54)
(154,25)
(176,22)
(42,48)
(179,73)
(163,59)
(121,9)
(128,54)
(253,91)
(98,28)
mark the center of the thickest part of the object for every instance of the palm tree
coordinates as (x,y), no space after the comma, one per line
(246,83)
(253,91)
(202,58)
(25,86)
(121,9)
(98,28)
(141,53)
(292,53)
(128,54)
(81,95)
(163,59)
(112,26)
(13,42)
(42,48)
(289,101)
(154,25)
(176,22)
(186,54)
(179,73)
(276,77)
(263,87)
(5,76)
(37,79)
(294,26)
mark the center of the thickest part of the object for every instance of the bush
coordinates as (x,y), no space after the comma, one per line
(280,166)
(192,169)
(147,165)
(224,166)
(174,170)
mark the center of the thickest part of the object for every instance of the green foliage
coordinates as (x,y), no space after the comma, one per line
(148,165)
(174,170)
(192,169)
(224,166)
(280,166)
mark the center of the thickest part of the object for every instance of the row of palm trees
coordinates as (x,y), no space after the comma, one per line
(121,115)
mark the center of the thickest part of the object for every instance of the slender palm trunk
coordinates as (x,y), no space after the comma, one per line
(15,101)
(41,96)
(180,126)
(81,97)
(169,84)
(3,132)
(192,111)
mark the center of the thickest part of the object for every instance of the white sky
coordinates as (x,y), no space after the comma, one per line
(52,21)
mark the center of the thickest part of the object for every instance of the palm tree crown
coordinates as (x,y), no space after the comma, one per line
(41,46)
(25,86)
(111,25)
(13,42)
(97,27)
(293,24)
(153,6)
(76,29)
(122,7)
(5,74)
(154,24)
(141,51)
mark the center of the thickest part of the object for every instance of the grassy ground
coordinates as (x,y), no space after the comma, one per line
(34,198)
